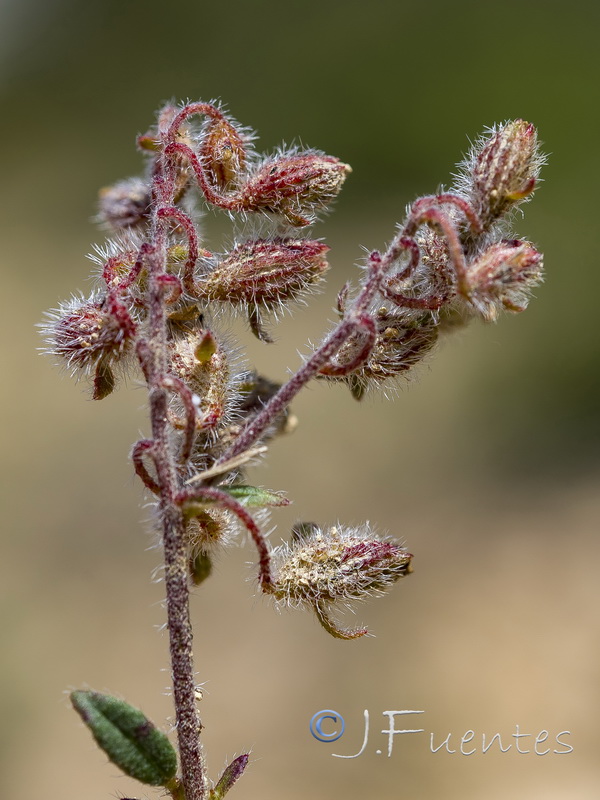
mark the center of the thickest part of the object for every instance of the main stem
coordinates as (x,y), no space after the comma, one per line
(153,356)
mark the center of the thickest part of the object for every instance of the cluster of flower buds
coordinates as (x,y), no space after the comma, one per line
(452,259)
(160,292)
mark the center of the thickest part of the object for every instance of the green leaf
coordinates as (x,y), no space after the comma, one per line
(229,777)
(206,349)
(200,567)
(127,737)
(255,496)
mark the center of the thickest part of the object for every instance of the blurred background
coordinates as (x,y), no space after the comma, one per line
(487,464)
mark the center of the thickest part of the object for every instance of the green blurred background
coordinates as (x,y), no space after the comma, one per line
(487,465)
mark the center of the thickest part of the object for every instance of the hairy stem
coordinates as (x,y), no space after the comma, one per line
(154,361)
(258,425)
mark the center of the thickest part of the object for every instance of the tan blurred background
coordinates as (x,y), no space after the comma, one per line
(488,465)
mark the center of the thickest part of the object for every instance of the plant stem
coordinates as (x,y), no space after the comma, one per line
(154,359)
(182,667)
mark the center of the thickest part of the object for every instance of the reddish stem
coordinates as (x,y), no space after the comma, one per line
(230,204)
(398,246)
(438,217)
(431,201)
(171,212)
(231,504)
(431,302)
(175,384)
(135,271)
(140,449)
(152,353)
(173,283)
(365,326)
(190,110)
(254,429)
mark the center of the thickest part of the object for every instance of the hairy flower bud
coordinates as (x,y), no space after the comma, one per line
(334,564)
(265,272)
(296,185)
(208,529)
(503,277)
(404,337)
(329,565)
(125,204)
(85,332)
(203,364)
(222,153)
(502,170)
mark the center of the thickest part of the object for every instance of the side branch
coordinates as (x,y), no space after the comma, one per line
(258,425)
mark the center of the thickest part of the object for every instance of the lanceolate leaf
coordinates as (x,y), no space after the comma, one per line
(229,777)
(127,737)
(256,496)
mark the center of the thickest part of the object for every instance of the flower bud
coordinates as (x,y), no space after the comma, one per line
(337,564)
(267,272)
(207,529)
(125,204)
(503,170)
(222,153)
(503,277)
(203,365)
(295,185)
(404,337)
(85,332)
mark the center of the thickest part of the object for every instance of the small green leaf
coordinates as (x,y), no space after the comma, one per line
(127,737)
(229,777)
(200,567)
(255,496)
(206,349)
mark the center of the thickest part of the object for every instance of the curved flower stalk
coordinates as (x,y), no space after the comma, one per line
(156,310)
